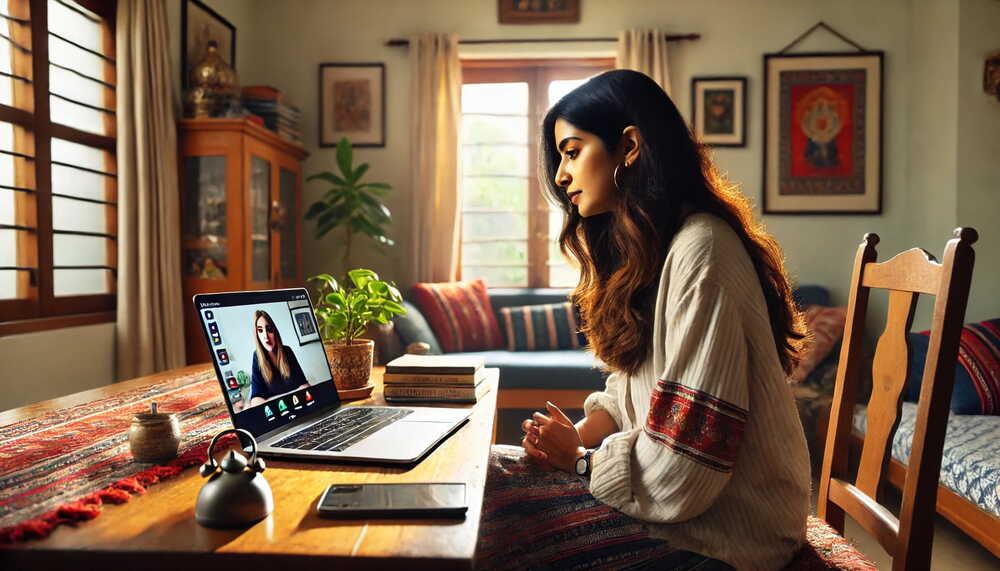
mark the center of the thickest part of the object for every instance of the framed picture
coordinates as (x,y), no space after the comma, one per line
(304,322)
(352,104)
(823,133)
(719,110)
(538,11)
(199,25)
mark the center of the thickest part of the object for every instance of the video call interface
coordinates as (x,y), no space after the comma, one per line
(269,355)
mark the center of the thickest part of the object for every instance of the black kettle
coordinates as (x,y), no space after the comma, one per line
(236,493)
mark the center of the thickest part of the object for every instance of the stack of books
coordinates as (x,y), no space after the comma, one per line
(278,114)
(436,378)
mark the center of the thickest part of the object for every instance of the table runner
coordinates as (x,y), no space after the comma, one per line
(61,466)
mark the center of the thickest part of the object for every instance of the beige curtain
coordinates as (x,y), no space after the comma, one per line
(435,91)
(646,51)
(150,328)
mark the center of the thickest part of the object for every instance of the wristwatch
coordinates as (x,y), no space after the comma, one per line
(583,464)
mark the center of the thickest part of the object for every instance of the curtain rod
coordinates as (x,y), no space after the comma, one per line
(669,37)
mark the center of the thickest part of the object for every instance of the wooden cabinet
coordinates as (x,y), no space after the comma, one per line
(241,213)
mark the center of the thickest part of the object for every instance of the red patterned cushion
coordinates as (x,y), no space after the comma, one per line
(826,549)
(460,315)
(826,328)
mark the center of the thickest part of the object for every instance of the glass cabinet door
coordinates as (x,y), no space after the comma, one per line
(260,237)
(289,238)
(206,253)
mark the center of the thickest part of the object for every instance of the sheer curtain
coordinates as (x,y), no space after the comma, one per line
(149,332)
(644,50)
(436,107)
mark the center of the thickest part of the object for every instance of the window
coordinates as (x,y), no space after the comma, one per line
(509,229)
(58,184)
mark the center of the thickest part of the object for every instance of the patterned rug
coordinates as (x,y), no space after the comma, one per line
(60,467)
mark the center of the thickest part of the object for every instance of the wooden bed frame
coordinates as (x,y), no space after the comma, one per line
(967,516)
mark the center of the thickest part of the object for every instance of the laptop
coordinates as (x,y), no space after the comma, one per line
(287,399)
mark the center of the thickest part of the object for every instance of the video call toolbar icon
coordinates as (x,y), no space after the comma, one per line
(282,406)
(223,356)
(209,315)
(268,411)
(295,399)
(231,381)
(308,396)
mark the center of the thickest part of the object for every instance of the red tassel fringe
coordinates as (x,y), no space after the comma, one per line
(89,507)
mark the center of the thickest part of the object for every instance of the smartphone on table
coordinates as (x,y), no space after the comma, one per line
(393,500)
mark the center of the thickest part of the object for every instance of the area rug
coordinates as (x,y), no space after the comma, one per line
(61,466)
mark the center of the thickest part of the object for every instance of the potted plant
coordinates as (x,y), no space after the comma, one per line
(344,313)
(350,203)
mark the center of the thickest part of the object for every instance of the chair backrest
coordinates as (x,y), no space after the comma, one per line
(908,538)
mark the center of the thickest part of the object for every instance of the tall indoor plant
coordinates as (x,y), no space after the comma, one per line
(343,313)
(350,203)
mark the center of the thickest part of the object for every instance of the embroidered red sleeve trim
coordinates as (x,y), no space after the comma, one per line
(704,428)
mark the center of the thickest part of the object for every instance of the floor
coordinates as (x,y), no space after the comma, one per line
(953,550)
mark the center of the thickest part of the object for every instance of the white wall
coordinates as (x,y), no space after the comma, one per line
(48,364)
(978,154)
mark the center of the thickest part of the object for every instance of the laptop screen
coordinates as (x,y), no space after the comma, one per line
(268,356)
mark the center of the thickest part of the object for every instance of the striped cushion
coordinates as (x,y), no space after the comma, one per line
(977,372)
(541,327)
(460,315)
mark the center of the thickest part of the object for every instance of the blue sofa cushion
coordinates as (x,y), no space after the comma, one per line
(541,327)
(566,369)
(977,372)
(412,328)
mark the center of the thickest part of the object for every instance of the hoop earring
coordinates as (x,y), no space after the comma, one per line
(614,176)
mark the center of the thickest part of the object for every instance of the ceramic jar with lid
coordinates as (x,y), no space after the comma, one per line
(154,436)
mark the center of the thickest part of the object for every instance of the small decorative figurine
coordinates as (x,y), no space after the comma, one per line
(236,494)
(154,436)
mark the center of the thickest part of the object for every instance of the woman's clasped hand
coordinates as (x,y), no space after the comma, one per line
(552,440)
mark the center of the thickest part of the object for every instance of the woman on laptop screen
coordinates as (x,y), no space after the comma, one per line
(276,371)
(693,455)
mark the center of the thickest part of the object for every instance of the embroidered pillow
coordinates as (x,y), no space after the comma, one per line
(460,315)
(543,327)
(977,372)
(826,328)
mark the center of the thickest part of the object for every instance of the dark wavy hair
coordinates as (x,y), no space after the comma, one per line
(622,252)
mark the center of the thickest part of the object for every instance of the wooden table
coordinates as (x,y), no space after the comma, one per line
(158,530)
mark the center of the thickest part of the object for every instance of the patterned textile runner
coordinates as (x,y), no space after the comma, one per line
(60,467)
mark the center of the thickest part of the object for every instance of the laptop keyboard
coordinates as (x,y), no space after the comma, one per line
(343,429)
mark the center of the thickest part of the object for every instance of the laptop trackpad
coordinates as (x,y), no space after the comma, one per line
(400,441)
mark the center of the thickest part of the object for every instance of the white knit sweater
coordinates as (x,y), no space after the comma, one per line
(711,451)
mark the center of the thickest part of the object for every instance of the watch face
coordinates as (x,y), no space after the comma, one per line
(581,465)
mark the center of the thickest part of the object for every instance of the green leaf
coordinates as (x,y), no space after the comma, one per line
(393,307)
(376,186)
(394,294)
(325,280)
(328,177)
(336,298)
(345,156)
(316,209)
(358,173)
(361,276)
(377,287)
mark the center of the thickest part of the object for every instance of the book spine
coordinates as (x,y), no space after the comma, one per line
(414,379)
(429,371)
(430,392)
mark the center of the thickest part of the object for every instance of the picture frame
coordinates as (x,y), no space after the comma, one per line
(823,133)
(538,11)
(304,322)
(352,104)
(199,24)
(719,110)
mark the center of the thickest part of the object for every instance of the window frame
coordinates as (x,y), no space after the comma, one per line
(37,308)
(537,73)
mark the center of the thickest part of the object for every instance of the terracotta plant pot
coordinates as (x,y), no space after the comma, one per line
(350,365)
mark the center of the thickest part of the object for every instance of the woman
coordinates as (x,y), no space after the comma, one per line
(693,455)
(276,371)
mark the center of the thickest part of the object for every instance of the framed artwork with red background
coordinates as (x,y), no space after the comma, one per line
(823,133)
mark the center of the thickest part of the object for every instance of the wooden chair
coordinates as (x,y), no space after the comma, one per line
(909,537)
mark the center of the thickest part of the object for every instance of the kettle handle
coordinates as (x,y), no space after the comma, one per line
(253,446)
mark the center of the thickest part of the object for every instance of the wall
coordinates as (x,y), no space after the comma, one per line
(734,37)
(978,199)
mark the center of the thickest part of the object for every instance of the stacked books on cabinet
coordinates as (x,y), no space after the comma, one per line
(436,378)
(278,114)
